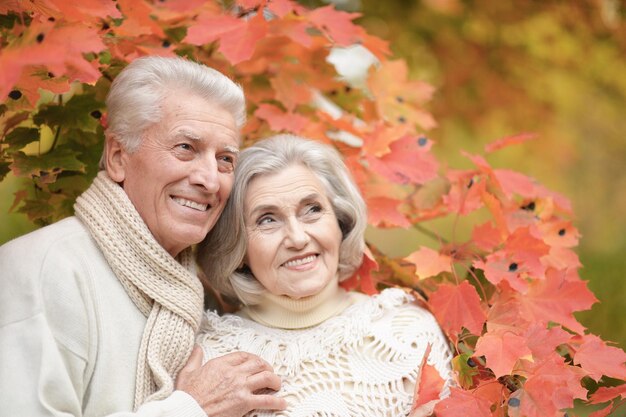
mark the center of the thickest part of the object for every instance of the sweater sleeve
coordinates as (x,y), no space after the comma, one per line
(48,335)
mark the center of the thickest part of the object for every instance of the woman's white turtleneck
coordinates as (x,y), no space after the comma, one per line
(283,312)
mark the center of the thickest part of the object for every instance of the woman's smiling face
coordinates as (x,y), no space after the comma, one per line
(293,233)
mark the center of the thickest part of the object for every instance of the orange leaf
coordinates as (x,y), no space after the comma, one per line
(138,21)
(429,384)
(409,161)
(429,262)
(502,350)
(383,212)
(604,394)
(336,24)
(508,141)
(555,298)
(458,306)
(463,403)
(279,120)
(597,358)
(363,276)
(237,37)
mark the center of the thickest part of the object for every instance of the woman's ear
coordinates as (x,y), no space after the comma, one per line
(115,158)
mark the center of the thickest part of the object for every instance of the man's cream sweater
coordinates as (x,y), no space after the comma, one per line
(69,333)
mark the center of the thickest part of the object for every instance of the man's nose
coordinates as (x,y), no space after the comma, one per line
(205,174)
(297,235)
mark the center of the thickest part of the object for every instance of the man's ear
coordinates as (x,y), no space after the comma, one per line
(115,159)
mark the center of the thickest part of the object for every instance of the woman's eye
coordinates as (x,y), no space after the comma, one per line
(265,220)
(314,208)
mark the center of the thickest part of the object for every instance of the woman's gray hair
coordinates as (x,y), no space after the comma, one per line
(221,254)
(134,102)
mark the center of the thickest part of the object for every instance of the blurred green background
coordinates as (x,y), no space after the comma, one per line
(556,68)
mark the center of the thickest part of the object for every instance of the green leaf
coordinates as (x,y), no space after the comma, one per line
(465,372)
(4,169)
(75,113)
(39,209)
(46,166)
(177,34)
(20,137)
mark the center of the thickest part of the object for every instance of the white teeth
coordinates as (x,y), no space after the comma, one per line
(190,204)
(297,262)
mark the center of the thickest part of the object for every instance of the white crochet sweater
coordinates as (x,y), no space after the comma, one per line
(363,361)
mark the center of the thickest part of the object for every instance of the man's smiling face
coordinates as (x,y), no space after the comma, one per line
(181,175)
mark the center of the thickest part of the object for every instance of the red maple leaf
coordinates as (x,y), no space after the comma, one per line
(555,298)
(280,120)
(508,141)
(407,162)
(429,262)
(502,349)
(363,276)
(551,386)
(429,384)
(458,306)
(337,25)
(543,341)
(463,403)
(597,358)
(383,212)
(238,37)
(604,394)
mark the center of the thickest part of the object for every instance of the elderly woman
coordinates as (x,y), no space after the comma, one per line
(291,231)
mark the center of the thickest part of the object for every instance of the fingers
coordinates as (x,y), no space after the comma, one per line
(246,363)
(267,402)
(262,380)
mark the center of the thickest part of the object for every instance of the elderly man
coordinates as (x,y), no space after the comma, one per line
(98,312)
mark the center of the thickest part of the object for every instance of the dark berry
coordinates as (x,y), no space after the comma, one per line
(514,402)
(401,119)
(513,267)
(470,362)
(562,232)
(96,114)
(166,44)
(40,37)
(347,89)
(422,141)
(15,94)
(50,75)
(470,183)
(530,206)
(51,19)
(400,99)
(106,26)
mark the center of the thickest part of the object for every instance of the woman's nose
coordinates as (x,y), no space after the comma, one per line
(297,236)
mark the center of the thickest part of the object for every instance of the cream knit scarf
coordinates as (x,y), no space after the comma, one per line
(166,291)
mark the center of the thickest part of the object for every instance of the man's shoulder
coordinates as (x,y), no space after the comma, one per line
(49,237)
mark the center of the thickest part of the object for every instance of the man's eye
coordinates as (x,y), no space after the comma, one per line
(184,146)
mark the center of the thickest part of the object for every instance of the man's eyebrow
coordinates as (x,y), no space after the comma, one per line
(187,134)
(233,149)
(192,136)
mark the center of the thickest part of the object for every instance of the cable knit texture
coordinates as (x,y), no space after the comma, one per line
(166,290)
(362,362)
